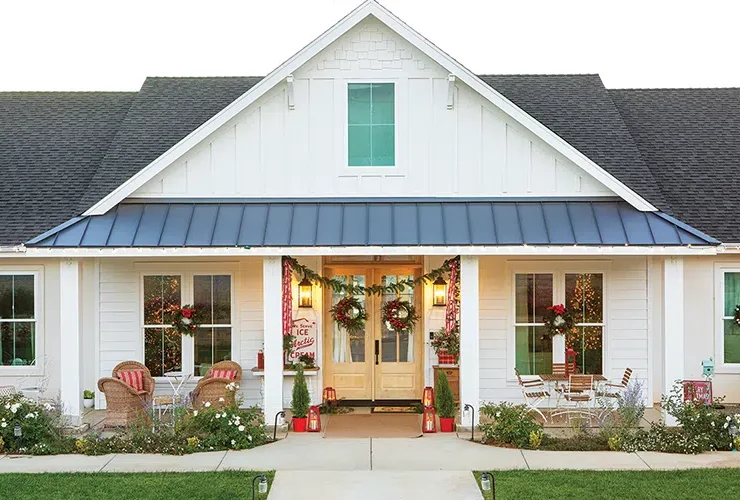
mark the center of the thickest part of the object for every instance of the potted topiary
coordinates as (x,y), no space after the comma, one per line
(300,402)
(445,403)
(88,398)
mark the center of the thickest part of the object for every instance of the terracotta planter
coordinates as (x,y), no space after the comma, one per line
(299,424)
(447,424)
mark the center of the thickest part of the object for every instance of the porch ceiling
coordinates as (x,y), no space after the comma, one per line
(371,222)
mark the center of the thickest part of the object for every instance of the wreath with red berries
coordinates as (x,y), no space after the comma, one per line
(349,313)
(399,316)
(186,320)
(737,315)
(558,320)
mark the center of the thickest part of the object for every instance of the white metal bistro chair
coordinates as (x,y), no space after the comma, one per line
(535,393)
(615,391)
(578,397)
(34,386)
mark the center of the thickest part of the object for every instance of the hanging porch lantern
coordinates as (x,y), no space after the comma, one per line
(439,288)
(330,396)
(314,419)
(427,398)
(305,293)
(429,420)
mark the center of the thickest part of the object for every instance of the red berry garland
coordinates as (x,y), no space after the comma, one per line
(185,320)
(399,316)
(350,314)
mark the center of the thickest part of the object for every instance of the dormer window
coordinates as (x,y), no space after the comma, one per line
(371,127)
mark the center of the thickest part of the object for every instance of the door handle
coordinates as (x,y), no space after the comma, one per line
(377,350)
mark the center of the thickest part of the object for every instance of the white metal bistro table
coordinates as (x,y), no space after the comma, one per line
(177,380)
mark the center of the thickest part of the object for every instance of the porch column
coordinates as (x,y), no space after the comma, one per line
(469,324)
(673,321)
(70,339)
(273,335)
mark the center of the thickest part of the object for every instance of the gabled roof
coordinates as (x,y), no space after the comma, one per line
(51,145)
(365,10)
(371,222)
(690,140)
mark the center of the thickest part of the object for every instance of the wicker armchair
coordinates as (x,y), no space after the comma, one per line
(124,404)
(213,390)
(127,366)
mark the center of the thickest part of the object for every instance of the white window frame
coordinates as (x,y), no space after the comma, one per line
(186,271)
(349,171)
(38,305)
(558,269)
(720,269)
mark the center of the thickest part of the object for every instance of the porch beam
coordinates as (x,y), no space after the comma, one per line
(273,335)
(673,325)
(70,339)
(469,335)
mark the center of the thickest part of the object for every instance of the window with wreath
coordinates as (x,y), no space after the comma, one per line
(162,343)
(730,328)
(17,319)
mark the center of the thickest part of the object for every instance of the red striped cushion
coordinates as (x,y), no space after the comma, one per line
(227,374)
(134,378)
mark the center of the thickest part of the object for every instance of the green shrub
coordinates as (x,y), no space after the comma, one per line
(510,424)
(445,401)
(40,425)
(301,399)
(581,442)
(218,429)
(86,394)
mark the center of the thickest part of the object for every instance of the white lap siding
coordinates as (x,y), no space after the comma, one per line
(625,334)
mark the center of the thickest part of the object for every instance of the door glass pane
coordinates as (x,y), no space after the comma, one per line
(348,347)
(397,346)
(533,350)
(584,296)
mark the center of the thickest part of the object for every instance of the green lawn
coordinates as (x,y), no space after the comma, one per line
(594,485)
(159,486)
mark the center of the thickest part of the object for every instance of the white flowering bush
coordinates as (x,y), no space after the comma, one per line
(224,428)
(40,426)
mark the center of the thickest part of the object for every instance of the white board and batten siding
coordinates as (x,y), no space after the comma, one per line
(625,334)
(472,150)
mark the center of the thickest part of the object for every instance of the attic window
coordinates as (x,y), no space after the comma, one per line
(371,127)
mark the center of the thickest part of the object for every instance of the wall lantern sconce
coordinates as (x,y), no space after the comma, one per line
(305,293)
(440,291)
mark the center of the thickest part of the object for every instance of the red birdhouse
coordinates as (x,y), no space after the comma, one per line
(314,419)
(260,360)
(570,362)
(429,420)
(427,398)
(330,396)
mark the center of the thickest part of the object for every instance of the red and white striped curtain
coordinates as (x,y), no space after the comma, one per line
(451,311)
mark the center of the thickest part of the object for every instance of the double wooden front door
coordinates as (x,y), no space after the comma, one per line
(376,363)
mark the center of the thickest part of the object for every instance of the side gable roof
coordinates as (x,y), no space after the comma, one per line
(164,112)
(368,8)
(690,140)
(51,144)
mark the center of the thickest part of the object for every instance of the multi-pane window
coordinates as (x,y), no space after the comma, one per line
(534,294)
(584,296)
(371,129)
(17,319)
(212,300)
(730,329)
(162,343)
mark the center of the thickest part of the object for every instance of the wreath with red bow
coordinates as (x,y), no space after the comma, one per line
(186,320)
(558,320)
(399,316)
(349,314)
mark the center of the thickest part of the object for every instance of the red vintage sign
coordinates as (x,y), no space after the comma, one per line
(304,339)
(700,390)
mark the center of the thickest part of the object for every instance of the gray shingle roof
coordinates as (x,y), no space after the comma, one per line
(690,139)
(51,144)
(62,152)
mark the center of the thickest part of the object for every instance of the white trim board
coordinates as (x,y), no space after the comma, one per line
(368,8)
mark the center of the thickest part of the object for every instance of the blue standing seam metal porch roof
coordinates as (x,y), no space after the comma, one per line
(376,222)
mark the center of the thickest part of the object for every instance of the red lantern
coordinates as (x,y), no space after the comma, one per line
(570,362)
(429,420)
(330,396)
(427,399)
(260,360)
(314,419)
